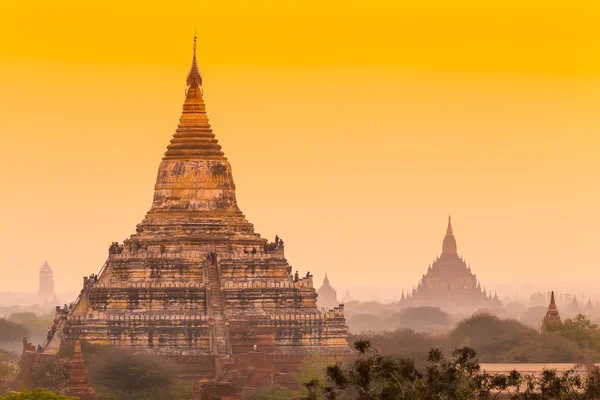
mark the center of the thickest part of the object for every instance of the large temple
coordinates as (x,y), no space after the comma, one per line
(449,283)
(195,278)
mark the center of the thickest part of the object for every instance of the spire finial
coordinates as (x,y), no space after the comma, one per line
(449,243)
(194,78)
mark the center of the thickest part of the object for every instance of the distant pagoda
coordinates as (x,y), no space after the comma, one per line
(195,279)
(552,317)
(327,295)
(347,298)
(449,283)
(46,288)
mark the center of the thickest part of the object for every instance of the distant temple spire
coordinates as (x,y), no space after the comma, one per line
(552,317)
(46,286)
(589,305)
(449,244)
(574,305)
(347,298)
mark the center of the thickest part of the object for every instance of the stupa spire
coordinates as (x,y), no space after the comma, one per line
(194,77)
(552,316)
(194,138)
(449,229)
(552,302)
(449,243)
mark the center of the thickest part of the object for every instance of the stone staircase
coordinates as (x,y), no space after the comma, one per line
(220,341)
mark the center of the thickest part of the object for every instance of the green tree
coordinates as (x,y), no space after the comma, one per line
(8,367)
(131,373)
(581,330)
(272,393)
(11,331)
(491,336)
(36,394)
(373,376)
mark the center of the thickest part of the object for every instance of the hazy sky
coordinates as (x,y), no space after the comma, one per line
(353,128)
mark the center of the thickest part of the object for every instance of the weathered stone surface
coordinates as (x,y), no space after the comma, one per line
(183,284)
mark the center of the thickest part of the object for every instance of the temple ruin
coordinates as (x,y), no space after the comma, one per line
(195,281)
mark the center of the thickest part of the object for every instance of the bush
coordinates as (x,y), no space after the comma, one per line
(127,372)
(37,394)
(490,336)
(8,367)
(378,377)
(272,393)
(11,331)
(52,374)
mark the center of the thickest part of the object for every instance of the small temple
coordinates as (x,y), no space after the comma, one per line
(327,295)
(46,286)
(449,283)
(552,317)
(195,282)
(78,384)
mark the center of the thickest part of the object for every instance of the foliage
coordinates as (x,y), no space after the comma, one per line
(546,348)
(402,342)
(423,316)
(11,331)
(314,370)
(36,394)
(52,374)
(22,317)
(418,318)
(128,372)
(271,393)
(373,376)
(495,340)
(490,336)
(37,326)
(581,330)
(8,367)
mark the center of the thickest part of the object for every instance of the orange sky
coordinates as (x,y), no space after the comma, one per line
(353,129)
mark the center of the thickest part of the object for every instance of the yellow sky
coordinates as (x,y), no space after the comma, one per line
(353,129)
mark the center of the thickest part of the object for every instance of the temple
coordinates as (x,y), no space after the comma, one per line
(46,288)
(327,295)
(195,280)
(449,283)
(552,317)
(78,384)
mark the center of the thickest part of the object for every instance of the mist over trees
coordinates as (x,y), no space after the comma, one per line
(496,340)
